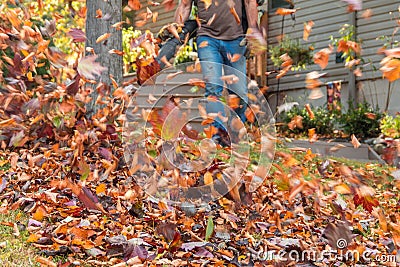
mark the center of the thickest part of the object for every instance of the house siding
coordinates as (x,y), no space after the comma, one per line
(164,17)
(329,16)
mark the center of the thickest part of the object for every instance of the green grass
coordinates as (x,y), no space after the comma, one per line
(14,250)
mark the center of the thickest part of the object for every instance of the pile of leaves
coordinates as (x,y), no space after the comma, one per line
(65,168)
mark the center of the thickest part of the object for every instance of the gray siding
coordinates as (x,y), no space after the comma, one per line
(164,17)
(329,16)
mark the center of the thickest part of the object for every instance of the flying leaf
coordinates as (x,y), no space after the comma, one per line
(285,11)
(234,57)
(338,234)
(210,21)
(235,15)
(77,35)
(207,3)
(390,68)
(208,178)
(309,111)
(103,37)
(168,5)
(355,141)
(367,13)
(307,29)
(203,44)
(354,5)
(364,196)
(322,57)
(134,4)
(316,93)
(89,68)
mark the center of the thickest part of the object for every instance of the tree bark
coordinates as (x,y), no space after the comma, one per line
(95,27)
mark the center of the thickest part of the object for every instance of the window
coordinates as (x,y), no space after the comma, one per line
(274,4)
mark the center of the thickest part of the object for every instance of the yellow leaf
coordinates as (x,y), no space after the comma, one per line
(101,188)
(208,178)
(342,189)
(39,214)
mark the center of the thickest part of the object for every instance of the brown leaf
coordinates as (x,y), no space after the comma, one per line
(322,57)
(285,11)
(307,29)
(338,234)
(355,141)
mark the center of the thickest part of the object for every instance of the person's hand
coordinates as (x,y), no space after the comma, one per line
(255,41)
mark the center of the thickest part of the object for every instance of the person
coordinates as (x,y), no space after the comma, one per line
(168,49)
(220,48)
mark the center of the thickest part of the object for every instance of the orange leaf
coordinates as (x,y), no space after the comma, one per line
(285,11)
(355,141)
(208,178)
(197,82)
(99,14)
(203,44)
(134,4)
(309,111)
(234,57)
(210,131)
(367,14)
(390,68)
(103,37)
(235,15)
(101,188)
(322,57)
(307,29)
(39,214)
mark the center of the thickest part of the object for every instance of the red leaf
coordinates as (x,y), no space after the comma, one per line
(89,69)
(366,200)
(84,195)
(77,35)
(73,86)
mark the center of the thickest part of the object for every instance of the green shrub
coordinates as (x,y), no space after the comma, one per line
(130,54)
(323,121)
(390,126)
(361,120)
(301,55)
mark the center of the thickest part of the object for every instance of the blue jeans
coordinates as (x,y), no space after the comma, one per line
(216,63)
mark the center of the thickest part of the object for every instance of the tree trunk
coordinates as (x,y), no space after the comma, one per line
(95,27)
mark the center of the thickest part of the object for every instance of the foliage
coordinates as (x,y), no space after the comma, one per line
(323,121)
(301,55)
(361,120)
(130,54)
(390,126)
(347,44)
(68,15)
(185,54)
